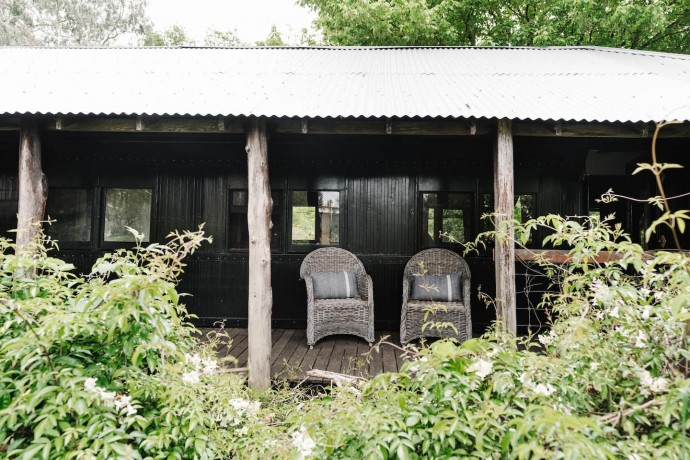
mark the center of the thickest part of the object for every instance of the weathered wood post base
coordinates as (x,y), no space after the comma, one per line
(504,203)
(33,186)
(259,222)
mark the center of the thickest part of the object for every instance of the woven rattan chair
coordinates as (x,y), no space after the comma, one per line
(338,316)
(436,262)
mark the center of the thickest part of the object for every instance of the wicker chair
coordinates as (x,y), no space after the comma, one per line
(435,262)
(338,316)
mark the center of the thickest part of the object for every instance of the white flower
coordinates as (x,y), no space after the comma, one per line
(614,313)
(194,359)
(121,401)
(594,366)
(524,379)
(209,366)
(303,442)
(653,384)
(243,431)
(634,457)
(107,395)
(545,390)
(547,339)
(641,340)
(646,312)
(481,368)
(191,377)
(90,384)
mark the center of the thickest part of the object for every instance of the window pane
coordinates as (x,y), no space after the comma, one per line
(329,217)
(71,208)
(524,208)
(303,218)
(127,207)
(238,230)
(446,218)
(453,226)
(315,217)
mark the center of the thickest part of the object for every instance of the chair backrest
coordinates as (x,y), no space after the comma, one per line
(436,261)
(333,259)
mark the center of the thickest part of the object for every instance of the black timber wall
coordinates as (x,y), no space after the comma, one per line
(380,178)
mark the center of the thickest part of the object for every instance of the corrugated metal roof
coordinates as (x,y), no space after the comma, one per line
(582,84)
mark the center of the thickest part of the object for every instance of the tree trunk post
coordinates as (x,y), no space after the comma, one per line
(33,187)
(504,203)
(259,223)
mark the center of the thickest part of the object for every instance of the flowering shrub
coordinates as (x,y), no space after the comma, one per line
(105,366)
(606,381)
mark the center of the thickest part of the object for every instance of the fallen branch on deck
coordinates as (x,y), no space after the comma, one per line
(335,377)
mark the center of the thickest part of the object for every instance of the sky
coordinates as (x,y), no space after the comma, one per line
(252,19)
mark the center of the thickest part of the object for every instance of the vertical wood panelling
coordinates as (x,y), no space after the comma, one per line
(379,176)
(379,215)
(215,212)
(176,203)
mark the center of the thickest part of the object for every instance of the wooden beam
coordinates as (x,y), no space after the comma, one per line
(504,199)
(386,126)
(259,222)
(10,124)
(33,186)
(562,256)
(354,126)
(149,124)
(594,129)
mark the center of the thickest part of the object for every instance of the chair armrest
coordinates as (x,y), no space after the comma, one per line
(310,289)
(370,290)
(406,289)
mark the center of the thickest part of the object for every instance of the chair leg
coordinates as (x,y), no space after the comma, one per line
(311,347)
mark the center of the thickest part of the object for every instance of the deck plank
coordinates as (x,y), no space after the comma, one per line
(335,363)
(279,367)
(325,349)
(340,353)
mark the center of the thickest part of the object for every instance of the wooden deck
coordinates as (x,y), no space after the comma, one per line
(291,357)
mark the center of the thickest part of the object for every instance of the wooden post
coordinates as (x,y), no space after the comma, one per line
(504,203)
(33,186)
(259,221)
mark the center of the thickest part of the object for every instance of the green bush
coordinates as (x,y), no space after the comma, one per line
(605,381)
(106,366)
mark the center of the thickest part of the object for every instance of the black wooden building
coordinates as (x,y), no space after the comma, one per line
(376,150)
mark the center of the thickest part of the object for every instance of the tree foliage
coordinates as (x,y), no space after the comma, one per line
(661,25)
(70,22)
(175,35)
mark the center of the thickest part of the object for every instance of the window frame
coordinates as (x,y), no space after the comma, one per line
(307,247)
(443,196)
(91,195)
(125,244)
(536,238)
(276,230)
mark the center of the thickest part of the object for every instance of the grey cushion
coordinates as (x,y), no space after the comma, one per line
(441,288)
(334,285)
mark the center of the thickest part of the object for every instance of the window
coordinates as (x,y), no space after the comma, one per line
(525,207)
(315,218)
(446,218)
(71,209)
(238,232)
(127,207)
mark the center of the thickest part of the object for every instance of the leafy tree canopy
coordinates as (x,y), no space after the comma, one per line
(70,22)
(661,25)
(172,36)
